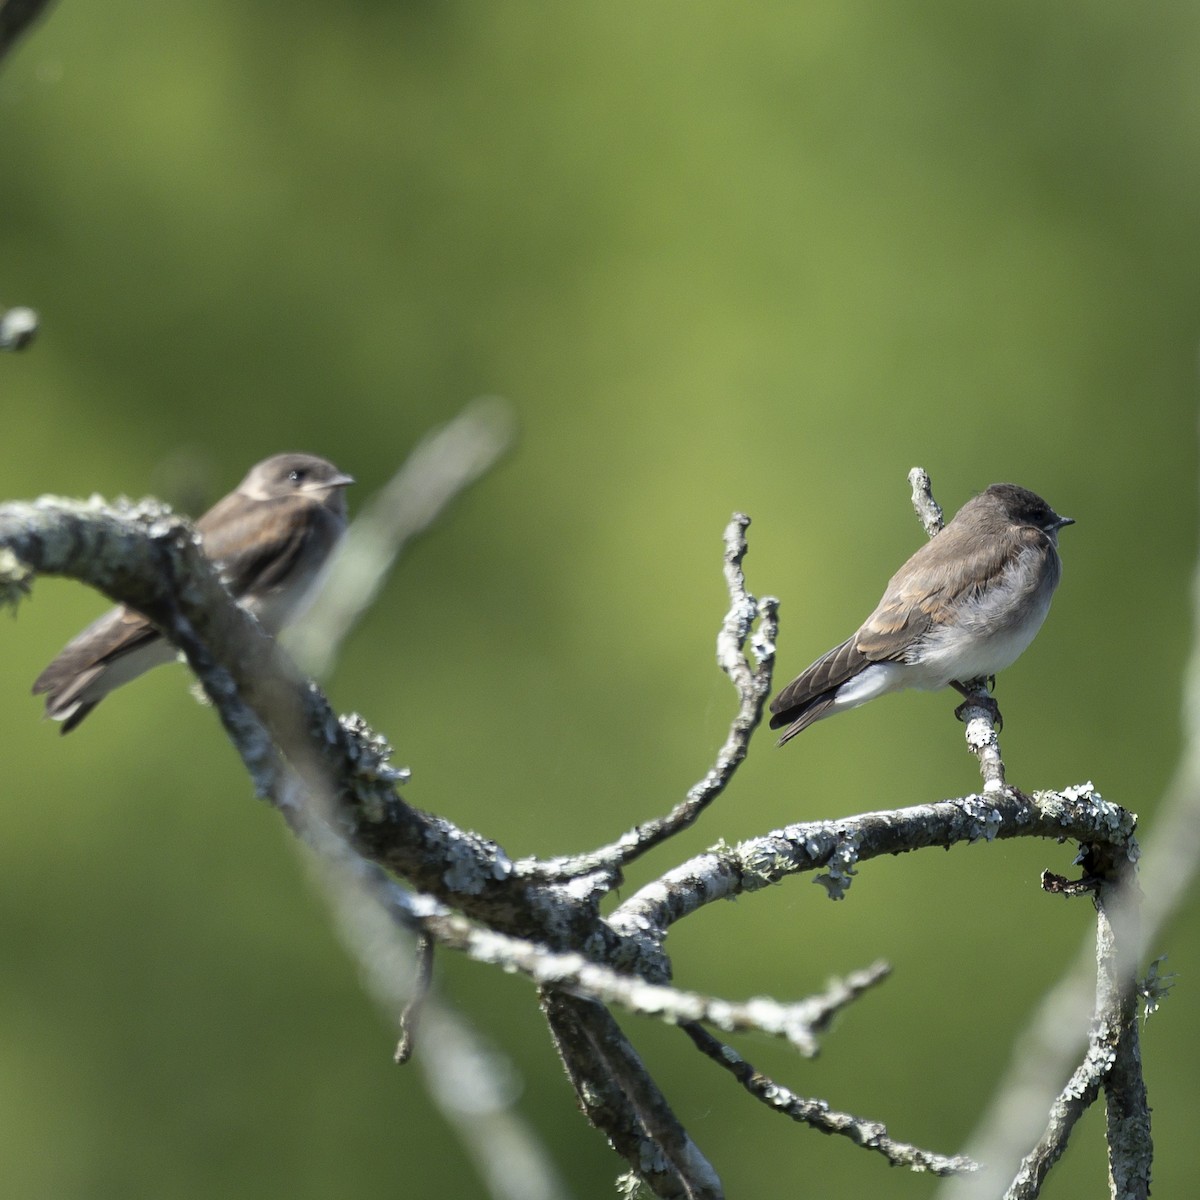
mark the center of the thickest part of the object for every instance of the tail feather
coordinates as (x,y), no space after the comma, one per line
(80,710)
(812,693)
(113,649)
(63,688)
(798,720)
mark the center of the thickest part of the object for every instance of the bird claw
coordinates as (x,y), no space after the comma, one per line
(987,703)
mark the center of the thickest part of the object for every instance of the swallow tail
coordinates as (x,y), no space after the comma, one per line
(114,649)
(813,693)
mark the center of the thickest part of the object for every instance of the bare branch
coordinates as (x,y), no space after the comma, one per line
(1073,1101)
(331,780)
(753,685)
(981,717)
(145,557)
(928,510)
(1130,1148)
(870,1134)
(1112,1062)
(16,16)
(438,470)
(622,1100)
(978,712)
(836,848)
(411,1015)
(821,1009)
(800,1022)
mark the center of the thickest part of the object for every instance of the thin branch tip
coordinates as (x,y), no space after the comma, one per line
(928,511)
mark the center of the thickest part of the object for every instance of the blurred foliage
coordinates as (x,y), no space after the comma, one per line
(766,258)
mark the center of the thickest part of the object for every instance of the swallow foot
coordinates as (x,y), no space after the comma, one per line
(976,697)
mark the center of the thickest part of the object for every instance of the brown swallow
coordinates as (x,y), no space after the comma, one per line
(269,538)
(963,608)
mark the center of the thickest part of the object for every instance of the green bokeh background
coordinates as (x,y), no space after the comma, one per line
(763,257)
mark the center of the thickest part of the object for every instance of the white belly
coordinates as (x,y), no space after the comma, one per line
(991,633)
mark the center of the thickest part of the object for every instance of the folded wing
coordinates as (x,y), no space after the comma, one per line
(65,682)
(950,569)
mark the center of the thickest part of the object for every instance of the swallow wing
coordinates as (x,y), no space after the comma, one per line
(952,569)
(260,544)
(808,697)
(119,632)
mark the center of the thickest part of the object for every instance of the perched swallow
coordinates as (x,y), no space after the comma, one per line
(269,538)
(962,608)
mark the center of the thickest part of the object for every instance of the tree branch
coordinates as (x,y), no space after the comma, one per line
(16,16)
(621,1099)
(978,712)
(331,780)
(439,469)
(753,684)
(143,556)
(816,1113)
(929,511)
(836,848)
(471,1082)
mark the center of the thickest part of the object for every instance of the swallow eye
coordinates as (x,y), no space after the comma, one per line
(296,476)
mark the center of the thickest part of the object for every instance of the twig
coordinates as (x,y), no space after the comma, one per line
(929,511)
(1127,1117)
(799,1023)
(981,717)
(476,1088)
(821,1009)
(442,466)
(411,1015)
(817,1114)
(15,18)
(978,712)
(622,1100)
(835,849)
(753,684)
(145,557)
(1072,1102)
(327,774)
(1060,885)
(1112,1062)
